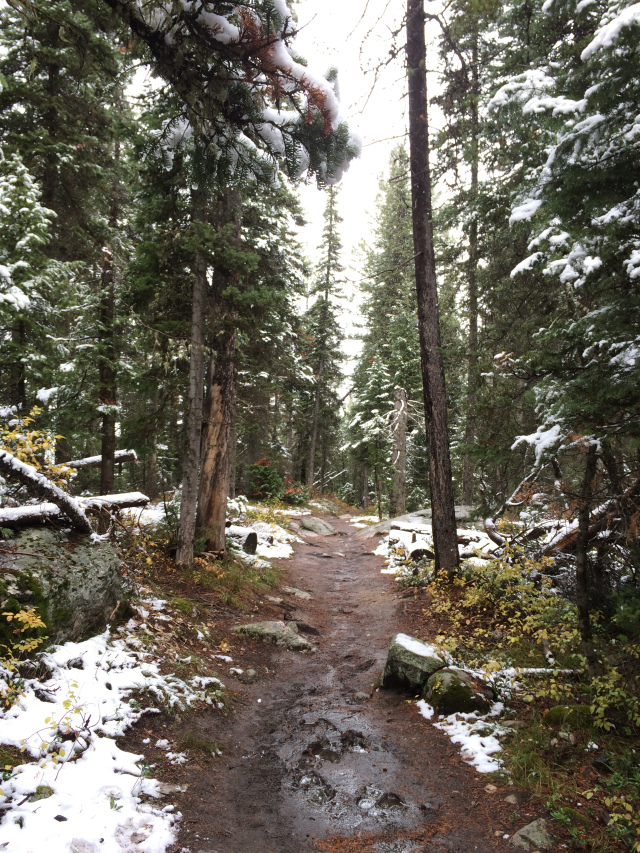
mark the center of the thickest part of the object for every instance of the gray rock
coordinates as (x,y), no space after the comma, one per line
(408,668)
(298,593)
(405,522)
(317,525)
(533,836)
(75,584)
(452,691)
(513,724)
(276,634)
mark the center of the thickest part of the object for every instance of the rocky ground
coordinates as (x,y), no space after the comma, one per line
(314,756)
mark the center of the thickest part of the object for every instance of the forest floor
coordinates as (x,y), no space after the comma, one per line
(313,757)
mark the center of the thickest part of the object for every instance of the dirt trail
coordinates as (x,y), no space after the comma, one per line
(310,766)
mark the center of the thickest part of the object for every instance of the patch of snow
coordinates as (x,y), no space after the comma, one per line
(417,648)
(95,784)
(477,748)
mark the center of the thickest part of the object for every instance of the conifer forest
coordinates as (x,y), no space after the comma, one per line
(319,426)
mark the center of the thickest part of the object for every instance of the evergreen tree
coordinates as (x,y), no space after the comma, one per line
(324,335)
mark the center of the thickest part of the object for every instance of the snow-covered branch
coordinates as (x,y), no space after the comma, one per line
(40,486)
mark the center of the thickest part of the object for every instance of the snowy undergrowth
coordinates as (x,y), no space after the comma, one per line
(79,788)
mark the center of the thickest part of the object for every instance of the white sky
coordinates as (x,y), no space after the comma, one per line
(355,37)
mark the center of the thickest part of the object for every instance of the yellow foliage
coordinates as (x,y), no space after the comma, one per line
(35,447)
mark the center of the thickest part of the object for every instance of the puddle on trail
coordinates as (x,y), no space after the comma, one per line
(340,775)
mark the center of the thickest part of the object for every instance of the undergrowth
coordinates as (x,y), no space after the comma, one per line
(577,750)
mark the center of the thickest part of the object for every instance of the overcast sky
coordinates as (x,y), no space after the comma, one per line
(355,36)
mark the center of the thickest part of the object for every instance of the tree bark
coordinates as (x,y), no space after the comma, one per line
(582,576)
(108,392)
(193,414)
(219,414)
(435,396)
(399,460)
(365,487)
(311,465)
(472,355)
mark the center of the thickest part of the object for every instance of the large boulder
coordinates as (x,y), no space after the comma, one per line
(317,525)
(74,583)
(452,691)
(410,663)
(276,633)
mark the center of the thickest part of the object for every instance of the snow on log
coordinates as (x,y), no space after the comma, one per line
(246,538)
(40,486)
(604,517)
(492,533)
(24,516)
(96,461)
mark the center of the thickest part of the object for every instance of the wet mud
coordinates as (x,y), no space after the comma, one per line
(314,756)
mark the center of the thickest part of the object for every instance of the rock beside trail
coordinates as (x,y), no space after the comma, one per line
(74,584)
(419,519)
(298,593)
(410,663)
(276,634)
(317,525)
(572,715)
(533,836)
(452,691)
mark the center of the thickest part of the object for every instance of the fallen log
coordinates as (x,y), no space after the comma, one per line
(25,516)
(492,533)
(602,518)
(39,486)
(96,461)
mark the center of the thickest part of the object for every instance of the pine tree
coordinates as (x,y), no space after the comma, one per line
(324,336)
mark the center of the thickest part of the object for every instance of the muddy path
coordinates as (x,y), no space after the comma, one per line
(314,757)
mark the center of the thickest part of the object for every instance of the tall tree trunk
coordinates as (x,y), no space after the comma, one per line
(193,414)
(378,492)
(18,391)
(233,448)
(582,574)
(472,355)
(435,396)
(108,392)
(365,486)
(399,459)
(218,417)
(311,465)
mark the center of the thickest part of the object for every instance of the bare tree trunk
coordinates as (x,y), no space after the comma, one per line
(582,546)
(365,486)
(233,442)
(435,395)
(472,368)
(214,480)
(108,393)
(399,460)
(311,465)
(193,415)
(378,493)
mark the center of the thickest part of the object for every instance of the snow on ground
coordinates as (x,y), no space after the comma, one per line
(364,521)
(476,734)
(80,790)
(410,536)
(274,542)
